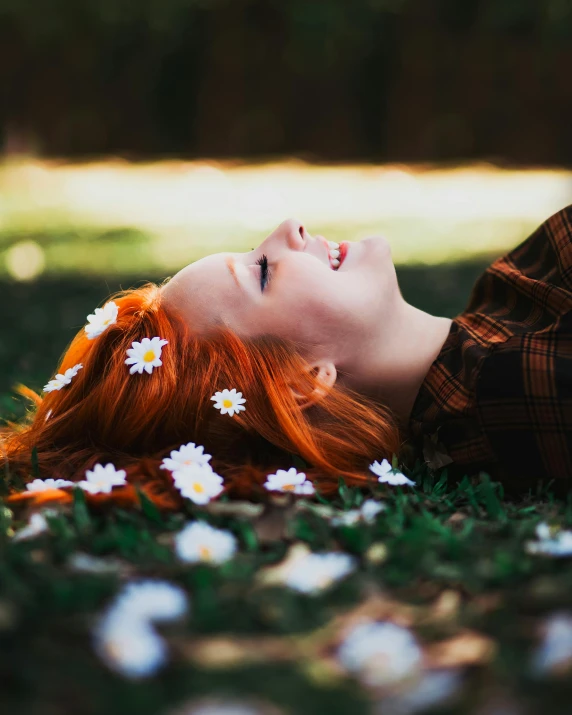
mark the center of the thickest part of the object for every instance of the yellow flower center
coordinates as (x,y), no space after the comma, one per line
(288,487)
(198,487)
(188,461)
(114,649)
(227,403)
(149,356)
(205,552)
(106,322)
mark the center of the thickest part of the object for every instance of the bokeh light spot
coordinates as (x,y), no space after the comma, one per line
(25,260)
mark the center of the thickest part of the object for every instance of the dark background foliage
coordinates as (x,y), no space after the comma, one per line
(383,80)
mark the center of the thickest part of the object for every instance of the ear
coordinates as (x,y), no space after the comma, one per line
(325,374)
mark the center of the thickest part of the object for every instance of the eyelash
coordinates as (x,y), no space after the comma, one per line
(265,274)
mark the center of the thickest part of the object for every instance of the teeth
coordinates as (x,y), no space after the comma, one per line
(333,244)
(334,253)
(335,262)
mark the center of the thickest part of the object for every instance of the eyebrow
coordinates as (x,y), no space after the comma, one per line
(230,262)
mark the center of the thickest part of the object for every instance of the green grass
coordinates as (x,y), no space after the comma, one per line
(464,541)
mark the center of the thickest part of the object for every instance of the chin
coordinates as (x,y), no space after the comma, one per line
(380,246)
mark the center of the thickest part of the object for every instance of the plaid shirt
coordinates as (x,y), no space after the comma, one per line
(498,397)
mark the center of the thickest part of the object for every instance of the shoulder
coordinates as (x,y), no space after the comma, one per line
(535,274)
(547,253)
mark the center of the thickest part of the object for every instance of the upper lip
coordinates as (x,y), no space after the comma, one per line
(327,245)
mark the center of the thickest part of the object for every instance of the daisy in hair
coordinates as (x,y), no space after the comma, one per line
(198,482)
(99,321)
(228,401)
(60,380)
(101,480)
(289,481)
(187,455)
(145,355)
(42,485)
(387,476)
(201,542)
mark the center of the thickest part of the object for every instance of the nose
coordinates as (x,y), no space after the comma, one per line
(293,233)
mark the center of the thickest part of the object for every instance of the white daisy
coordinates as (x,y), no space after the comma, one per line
(129,646)
(36,525)
(555,649)
(380,653)
(123,635)
(367,512)
(315,572)
(289,481)
(86,563)
(228,401)
(145,355)
(152,600)
(431,689)
(42,485)
(551,542)
(370,509)
(386,475)
(102,479)
(187,455)
(221,705)
(347,518)
(543,531)
(101,319)
(198,483)
(199,541)
(60,380)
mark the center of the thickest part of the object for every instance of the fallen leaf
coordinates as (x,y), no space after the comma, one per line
(231,651)
(273,575)
(239,508)
(466,648)
(446,607)
(272,524)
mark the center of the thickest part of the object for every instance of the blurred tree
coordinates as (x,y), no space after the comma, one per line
(371,79)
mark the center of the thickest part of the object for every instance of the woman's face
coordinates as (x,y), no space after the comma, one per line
(329,313)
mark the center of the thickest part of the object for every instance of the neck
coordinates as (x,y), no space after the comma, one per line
(392,367)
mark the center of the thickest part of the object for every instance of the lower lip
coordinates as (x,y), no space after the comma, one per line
(344,246)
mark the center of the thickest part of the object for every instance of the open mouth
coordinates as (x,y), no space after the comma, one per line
(337,252)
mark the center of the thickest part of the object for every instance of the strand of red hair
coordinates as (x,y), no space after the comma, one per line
(108,415)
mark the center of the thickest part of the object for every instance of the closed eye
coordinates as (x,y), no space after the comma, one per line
(265,273)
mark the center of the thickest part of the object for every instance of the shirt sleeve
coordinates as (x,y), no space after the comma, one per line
(523,397)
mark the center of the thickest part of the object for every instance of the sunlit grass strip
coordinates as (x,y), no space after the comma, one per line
(166,214)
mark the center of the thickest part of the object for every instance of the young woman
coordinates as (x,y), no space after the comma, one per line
(332,364)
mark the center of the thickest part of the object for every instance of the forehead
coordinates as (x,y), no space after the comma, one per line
(204,291)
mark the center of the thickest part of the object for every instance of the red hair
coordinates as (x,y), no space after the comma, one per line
(108,415)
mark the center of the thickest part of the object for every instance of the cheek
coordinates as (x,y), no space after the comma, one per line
(312,316)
